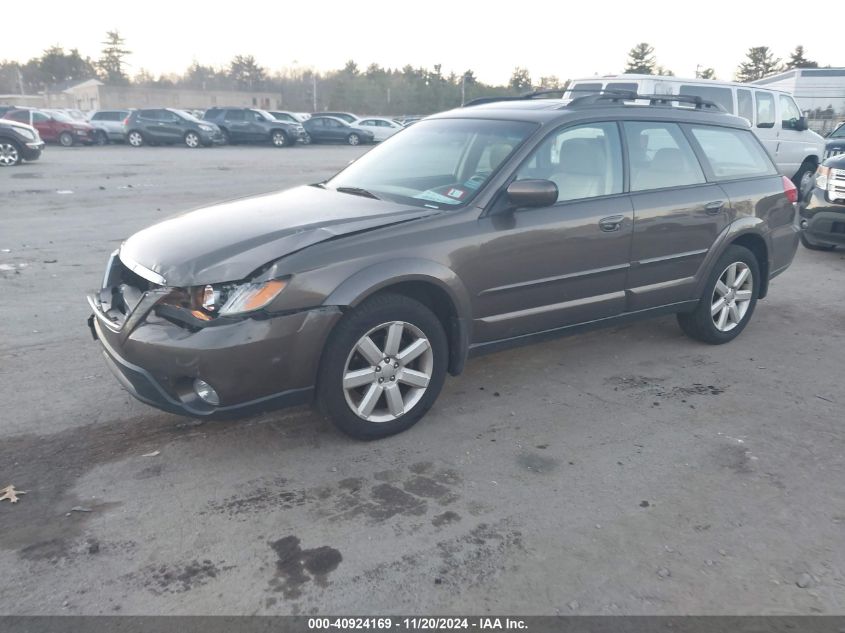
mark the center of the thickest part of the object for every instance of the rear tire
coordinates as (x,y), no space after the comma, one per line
(728,300)
(383,366)
(813,246)
(803,180)
(66,139)
(135,138)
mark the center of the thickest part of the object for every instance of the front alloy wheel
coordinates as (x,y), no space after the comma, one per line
(192,140)
(382,367)
(9,154)
(381,381)
(279,139)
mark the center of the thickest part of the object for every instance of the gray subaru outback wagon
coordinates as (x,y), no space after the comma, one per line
(478,228)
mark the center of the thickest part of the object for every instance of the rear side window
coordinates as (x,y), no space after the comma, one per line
(234,115)
(21,116)
(732,153)
(583,161)
(584,89)
(722,96)
(765,109)
(744,106)
(660,156)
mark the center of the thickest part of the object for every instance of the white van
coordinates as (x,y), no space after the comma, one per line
(773,115)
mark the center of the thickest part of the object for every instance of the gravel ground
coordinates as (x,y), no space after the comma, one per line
(624,471)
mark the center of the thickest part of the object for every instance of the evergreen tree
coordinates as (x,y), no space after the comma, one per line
(520,80)
(707,73)
(641,60)
(797,59)
(112,61)
(759,63)
(245,72)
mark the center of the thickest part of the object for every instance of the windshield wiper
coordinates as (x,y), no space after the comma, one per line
(357,191)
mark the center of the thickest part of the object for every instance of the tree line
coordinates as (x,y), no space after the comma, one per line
(373,89)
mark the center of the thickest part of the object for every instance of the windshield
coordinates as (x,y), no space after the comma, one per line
(61,116)
(267,116)
(838,132)
(440,163)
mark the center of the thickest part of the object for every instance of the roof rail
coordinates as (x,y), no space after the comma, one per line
(621,96)
(524,97)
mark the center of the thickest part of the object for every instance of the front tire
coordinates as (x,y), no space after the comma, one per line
(353,139)
(279,139)
(192,140)
(815,247)
(383,367)
(728,301)
(10,153)
(66,139)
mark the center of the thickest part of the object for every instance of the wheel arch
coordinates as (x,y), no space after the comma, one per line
(747,232)
(432,284)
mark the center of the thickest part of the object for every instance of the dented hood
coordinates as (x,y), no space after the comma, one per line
(227,242)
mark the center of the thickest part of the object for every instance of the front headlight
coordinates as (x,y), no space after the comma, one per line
(233,299)
(822,177)
(206,128)
(27,134)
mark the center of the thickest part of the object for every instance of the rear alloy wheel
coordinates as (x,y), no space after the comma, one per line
(728,301)
(66,139)
(353,139)
(10,154)
(192,140)
(813,246)
(135,138)
(279,139)
(382,367)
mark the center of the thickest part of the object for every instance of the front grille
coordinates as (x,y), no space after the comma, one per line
(836,151)
(122,290)
(836,184)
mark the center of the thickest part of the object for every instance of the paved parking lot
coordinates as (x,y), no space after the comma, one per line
(628,470)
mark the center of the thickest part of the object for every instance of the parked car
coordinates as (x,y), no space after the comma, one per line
(328,129)
(54,127)
(823,212)
(347,117)
(773,115)
(168,126)
(108,125)
(289,117)
(18,142)
(472,230)
(250,125)
(835,142)
(381,127)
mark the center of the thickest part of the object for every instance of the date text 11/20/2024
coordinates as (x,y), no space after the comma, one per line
(419,623)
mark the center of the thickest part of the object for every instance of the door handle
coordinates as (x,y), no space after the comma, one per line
(612,223)
(715,207)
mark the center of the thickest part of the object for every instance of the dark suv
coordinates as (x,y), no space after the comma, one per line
(472,230)
(248,125)
(823,213)
(167,126)
(18,142)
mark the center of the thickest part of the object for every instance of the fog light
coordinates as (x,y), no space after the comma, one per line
(804,224)
(206,392)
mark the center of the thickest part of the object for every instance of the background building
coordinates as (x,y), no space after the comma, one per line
(95,95)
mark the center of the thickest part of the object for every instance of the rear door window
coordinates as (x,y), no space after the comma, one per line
(722,96)
(234,115)
(765,105)
(732,153)
(744,105)
(660,156)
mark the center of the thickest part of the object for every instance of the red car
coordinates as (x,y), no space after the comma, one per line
(53,126)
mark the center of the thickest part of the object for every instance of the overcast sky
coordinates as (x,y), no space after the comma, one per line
(549,38)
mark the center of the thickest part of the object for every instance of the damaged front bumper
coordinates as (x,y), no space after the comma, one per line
(255,363)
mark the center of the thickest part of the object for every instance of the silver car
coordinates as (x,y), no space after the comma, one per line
(108,125)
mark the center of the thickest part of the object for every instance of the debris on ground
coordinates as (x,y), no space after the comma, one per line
(663,572)
(78,509)
(805,581)
(10,493)
(153,454)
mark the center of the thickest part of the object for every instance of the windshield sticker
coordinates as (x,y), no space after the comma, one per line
(434,197)
(457,194)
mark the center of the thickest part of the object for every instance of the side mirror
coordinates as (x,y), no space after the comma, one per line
(532,193)
(801,124)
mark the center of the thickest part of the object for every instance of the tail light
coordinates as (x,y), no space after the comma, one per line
(790,190)
(126,121)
